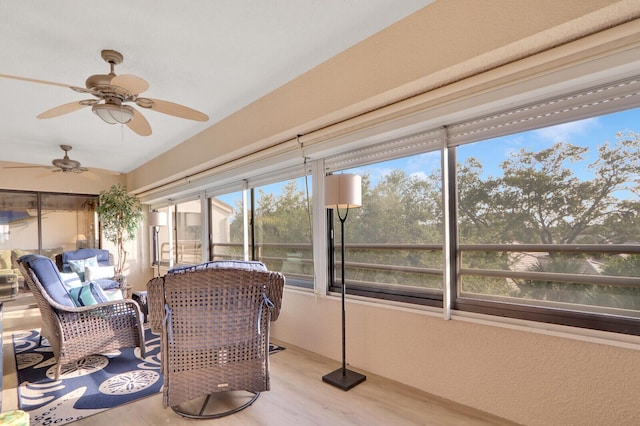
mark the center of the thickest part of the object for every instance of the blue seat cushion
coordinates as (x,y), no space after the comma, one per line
(251,265)
(47,273)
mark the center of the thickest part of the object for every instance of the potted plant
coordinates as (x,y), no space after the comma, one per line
(120,214)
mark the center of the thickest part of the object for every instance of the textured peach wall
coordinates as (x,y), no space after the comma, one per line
(524,376)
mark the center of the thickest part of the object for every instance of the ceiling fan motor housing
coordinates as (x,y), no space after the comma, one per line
(66,164)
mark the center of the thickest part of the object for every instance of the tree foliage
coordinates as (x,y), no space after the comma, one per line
(120,214)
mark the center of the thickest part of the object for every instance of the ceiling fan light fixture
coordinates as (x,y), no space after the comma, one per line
(113,114)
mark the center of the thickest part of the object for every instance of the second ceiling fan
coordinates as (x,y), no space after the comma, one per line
(112,94)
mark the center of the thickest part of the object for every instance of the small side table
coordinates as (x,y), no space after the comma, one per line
(141,298)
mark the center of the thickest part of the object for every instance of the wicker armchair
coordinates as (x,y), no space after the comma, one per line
(76,332)
(214,323)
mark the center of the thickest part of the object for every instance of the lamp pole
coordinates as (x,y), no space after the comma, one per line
(344,291)
(156,220)
(156,229)
(345,191)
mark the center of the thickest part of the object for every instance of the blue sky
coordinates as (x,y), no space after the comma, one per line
(590,132)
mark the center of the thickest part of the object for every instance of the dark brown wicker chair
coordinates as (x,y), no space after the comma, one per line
(215,336)
(75,333)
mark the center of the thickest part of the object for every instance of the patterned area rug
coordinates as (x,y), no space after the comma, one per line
(87,387)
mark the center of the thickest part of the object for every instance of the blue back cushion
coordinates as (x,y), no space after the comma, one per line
(47,272)
(216,264)
(84,253)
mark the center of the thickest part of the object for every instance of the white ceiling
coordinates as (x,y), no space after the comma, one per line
(213,56)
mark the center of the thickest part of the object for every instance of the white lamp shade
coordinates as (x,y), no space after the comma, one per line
(342,191)
(157,218)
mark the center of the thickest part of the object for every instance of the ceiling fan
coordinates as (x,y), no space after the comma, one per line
(112,92)
(64,165)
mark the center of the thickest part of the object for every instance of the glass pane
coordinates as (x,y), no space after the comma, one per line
(188,246)
(394,241)
(227,227)
(69,222)
(18,224)
(163,245)
(283,229)
(559,205)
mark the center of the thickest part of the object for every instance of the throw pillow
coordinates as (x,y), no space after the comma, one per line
(113,294)
(70,280)
(87,295)
(78,265)
(92,273)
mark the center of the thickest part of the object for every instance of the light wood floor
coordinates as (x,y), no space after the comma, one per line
(298,397)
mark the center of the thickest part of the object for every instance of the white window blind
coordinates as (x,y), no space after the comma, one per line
(598,100)
(429,140)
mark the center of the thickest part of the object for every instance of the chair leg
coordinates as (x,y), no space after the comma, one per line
(58,370)
(201,414)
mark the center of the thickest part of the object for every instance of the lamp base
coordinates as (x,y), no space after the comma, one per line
(344,379)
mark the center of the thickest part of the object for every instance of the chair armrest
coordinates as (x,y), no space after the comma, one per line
(155,303)
(275,288)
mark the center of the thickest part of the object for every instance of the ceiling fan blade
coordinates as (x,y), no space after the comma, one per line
(27,167)
(139,124)
(63,109)
(171,108)
(34,80)
(131,83)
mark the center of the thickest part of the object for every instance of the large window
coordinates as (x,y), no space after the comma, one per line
(188,233)
(47,223)
(227,226)
(69,222)
(19,221)
(529,212)
(393,243)
(281,229)
(548,219)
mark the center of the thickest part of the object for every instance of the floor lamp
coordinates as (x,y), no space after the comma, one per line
(343,191)
(156,220)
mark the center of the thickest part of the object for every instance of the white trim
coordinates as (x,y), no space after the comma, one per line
(319,242)
(447,281)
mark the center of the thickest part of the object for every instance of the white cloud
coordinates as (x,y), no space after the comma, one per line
(565,132)
(419,175)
